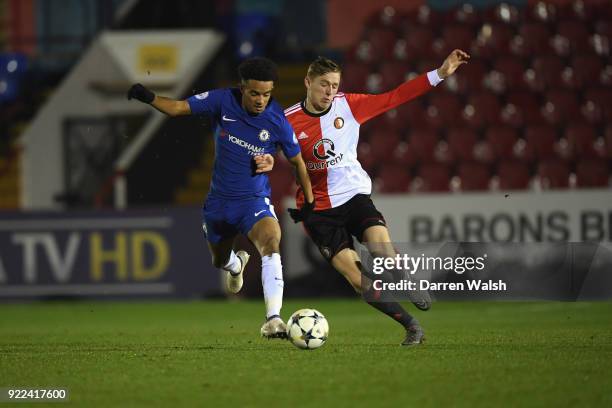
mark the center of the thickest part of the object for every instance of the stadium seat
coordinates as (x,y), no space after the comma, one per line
(502,140)
(560,106)
(404,155)
(423,141)
(461,143)
(513,175)
(597,107)
(392,178)
(444,110)
(608,141)
(541,11)
(454,36)
(512,71)
(413,113)
(466,15)
(576,33)
(432,177)
(585,70)
(386,17)
(393,74)
(545,72)
(592,173)
(469,78)
(522,108)
(382,41)
(383,143)
(540,142)
(493,40)
(532,39)
(582,139)
(553,174)
(473,176)
(364,155)
(355,77)
(482,109)
(415,43)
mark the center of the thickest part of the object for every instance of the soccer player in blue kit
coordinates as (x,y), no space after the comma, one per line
(249,123)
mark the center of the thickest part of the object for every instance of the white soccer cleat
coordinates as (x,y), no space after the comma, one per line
(234,282)
(274,328)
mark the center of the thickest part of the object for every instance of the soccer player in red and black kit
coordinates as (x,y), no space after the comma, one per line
(327,128)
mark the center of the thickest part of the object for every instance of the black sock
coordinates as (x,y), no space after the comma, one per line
(392,309)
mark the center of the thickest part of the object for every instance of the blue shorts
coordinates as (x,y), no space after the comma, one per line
(224,218)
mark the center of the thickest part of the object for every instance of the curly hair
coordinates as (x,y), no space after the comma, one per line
(259,69)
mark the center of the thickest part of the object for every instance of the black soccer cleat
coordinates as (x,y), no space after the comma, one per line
(420,299)
(414,336)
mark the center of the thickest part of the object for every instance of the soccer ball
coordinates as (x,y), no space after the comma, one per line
(307,329)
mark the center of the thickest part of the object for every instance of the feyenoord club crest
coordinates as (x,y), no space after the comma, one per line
(264,135)
(338,123)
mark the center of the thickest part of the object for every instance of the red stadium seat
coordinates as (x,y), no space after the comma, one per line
(393,74)
(545,72)
(387,17)
(383,143)
(413,113)
(541,142)
(582,141)
(522,108)
(415,43)
(482,109)
(513,175)
(364,155)
(532,39)
(454,36)
(354,77)
(444,110)
(597,107)
(382,41)
(576,33)
(469,78)
(585,70)
(423,141)
(392,178)
(474,176)
(541,11)
(512,71)
(502,139)
(404,155)
(466,15)
(461,143)
(560,106)
(493,40)
(592,173)
(432,177)
(553,174)
(608,141)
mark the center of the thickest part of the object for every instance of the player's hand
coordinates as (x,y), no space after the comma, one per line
(452,62)
(141,93)
(263,163)
(302,214)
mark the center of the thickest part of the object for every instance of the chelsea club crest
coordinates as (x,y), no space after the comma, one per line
(264,135)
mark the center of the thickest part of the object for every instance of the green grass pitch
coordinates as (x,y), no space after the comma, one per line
(173,354)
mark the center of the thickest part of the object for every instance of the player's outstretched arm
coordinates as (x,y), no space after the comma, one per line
(452,62)
(170,107)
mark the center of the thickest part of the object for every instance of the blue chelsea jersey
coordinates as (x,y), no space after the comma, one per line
(238,137)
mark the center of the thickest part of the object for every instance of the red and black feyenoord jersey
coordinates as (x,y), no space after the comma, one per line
(329,140)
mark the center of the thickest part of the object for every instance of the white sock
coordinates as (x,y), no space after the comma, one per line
(233,264)
(272,281)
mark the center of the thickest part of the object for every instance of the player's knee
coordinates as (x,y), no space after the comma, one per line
(270,245)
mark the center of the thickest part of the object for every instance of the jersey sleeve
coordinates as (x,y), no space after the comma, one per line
(206,103)
(367,106)
(287,140)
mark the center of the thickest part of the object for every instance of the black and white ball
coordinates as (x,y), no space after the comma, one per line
(307,329)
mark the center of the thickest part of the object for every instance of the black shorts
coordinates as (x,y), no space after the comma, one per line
(332,229)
